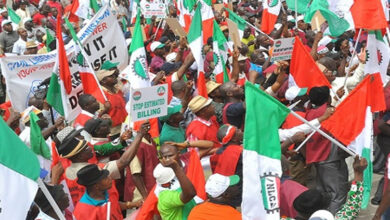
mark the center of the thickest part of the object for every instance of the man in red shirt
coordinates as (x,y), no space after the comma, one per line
(55,4)
(89,106)
(43,13)
(115,106)
(205,125)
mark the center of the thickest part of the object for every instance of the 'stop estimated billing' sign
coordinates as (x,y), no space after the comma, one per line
(283,49)
(149,102)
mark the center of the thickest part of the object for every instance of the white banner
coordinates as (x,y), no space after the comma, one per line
(149,102)
(153,8)
(102,39)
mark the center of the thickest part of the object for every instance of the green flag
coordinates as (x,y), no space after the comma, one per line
(241,23)
(37,142)
(49,39)
(124,24)
(264,115)
(72,31)
(302,5)
(13,16)
(94,5)
(53,96)
(337,26)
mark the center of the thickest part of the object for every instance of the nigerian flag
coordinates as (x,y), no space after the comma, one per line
(220,49)
(19,171)
(13,16)
(378,55)
(337,25)
(138,69)
(261,156)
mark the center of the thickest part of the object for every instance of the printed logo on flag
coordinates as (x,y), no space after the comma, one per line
(379,55)
(137,95)
(139,66)
(161,91)
(270,192)
(272,3)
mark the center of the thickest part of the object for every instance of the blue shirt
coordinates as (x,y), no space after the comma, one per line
(91,201)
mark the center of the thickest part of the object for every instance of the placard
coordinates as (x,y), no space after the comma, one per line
(233,32)
(149,102)
(175,26)
(282,49)
(155,8)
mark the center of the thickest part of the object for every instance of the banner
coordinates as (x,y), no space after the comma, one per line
(24,74)
(149,102)
(103,40)
(283,49)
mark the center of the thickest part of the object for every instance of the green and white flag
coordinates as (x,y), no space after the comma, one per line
(138,68)
(195,41)
(337,25)
(220,49)
(19,171)
(378,55)
(261,156)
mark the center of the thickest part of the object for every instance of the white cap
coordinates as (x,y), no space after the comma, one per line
(26,19)
(155,45)
(324,41)
(163,174)
(3,10)
(293,92)
(217,184)
(171,57)
(300,17)
(322,215)
(5,22)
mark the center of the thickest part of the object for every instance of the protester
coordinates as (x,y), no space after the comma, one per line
(259,96)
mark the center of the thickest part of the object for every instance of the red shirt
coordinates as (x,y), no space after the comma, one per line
(317,147)
(37,18)
(200,129)
(57,5)
(117,110)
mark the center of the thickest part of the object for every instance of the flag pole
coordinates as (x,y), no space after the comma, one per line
(256,29)
(108,210)
(304,142)
(158,27)
(340,145)
(296,14)
(51,200)
(353,55)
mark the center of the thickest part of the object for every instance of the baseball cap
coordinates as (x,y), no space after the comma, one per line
(217,184)
(294,91)
(103,73)
(156,45)
(5,22)
(163,174)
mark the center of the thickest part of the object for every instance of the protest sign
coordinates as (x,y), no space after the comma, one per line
(282,49)
(25,73)
(317,21)
(175,26)
(103,39)
(153,8)
(149,102)
(233,32)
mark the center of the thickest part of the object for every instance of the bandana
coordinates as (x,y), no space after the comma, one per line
(229,134)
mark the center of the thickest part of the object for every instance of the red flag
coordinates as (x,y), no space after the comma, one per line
(63,60)
(149,207)
(368,14)
(154,130)
(91,84)
(368,93)
(304,70)
(201,84)
(196,175)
